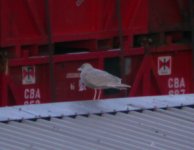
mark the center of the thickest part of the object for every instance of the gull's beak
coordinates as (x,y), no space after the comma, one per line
(79,69)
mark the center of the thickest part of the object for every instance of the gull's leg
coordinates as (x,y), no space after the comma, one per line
(95,94)
(99,94)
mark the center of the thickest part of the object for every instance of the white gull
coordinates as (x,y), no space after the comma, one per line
(98,79)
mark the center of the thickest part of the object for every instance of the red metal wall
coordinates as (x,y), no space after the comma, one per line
(168,15)
(156,41)
(163,73)
(28,82)
(24,22)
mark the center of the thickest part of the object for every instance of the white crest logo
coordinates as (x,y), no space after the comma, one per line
(164,65)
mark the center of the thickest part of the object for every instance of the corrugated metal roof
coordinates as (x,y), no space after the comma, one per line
(146,123)
(93,107)
(159,129)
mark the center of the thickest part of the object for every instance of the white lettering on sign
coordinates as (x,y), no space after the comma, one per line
(72,86)
(32,96)
(176,86)
(31,102)
(72,75)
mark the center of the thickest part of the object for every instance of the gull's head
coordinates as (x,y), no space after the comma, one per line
(85,66)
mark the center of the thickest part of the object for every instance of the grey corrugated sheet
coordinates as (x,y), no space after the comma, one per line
(94,107)
(159,129)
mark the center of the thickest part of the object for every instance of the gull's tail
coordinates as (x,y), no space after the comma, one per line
(120,86)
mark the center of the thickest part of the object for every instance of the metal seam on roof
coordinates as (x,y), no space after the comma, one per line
(133,130)
(150,130)
(165,125)
(156,129)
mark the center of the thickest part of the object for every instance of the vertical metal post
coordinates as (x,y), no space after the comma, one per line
(51,51)
(120,33)
(192,37)
(182,10)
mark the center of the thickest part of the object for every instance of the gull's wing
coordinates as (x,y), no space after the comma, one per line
(96,78)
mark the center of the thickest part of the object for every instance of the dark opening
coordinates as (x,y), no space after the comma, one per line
(112,65)
(141,40)
(69,47)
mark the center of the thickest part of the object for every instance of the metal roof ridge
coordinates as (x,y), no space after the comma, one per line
(93,107)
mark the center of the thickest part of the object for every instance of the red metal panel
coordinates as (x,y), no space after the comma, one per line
(179,81)
(24,22)
(74,20)
(93,25)
(168,15)
(159,73)
(135,16)
(28,92)
(164,73)
(27,81)
(67,75)
(67,81)
(97,18)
